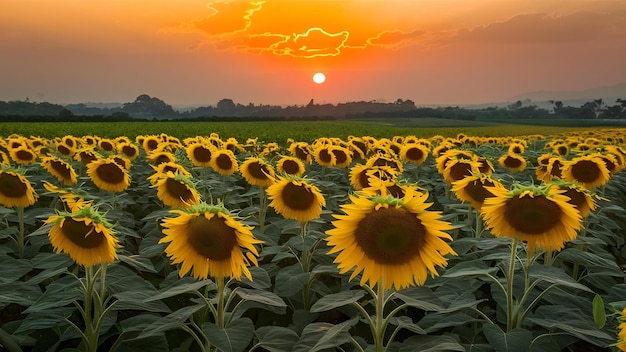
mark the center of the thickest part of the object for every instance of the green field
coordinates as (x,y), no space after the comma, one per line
(280,131)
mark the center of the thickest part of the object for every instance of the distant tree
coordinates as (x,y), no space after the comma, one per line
(146,106)
(65,113)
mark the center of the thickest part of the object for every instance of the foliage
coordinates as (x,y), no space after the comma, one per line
(297,300)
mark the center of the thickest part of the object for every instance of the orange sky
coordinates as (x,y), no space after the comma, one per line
(191,52)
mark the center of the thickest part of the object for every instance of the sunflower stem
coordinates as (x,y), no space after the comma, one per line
(21,242)
(220,302)
(379,327)
(509,286)
(479,224)
(262,209)
(305,263)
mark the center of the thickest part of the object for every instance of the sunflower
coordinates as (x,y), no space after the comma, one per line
(176,190)
(108,145)
(473,189)
(513,162)
(457,169)
(4,158)
(108,175)
(257,172)
(23,155)
(86,156)
(162,169)
(289,165)
(149,143)
(414,153)
(67,148)
(15,190)
(516,148)
(301,150)
(385,160)
(579,196)
(207,241)
(60,169)
(538,215)
(394,242)
(85,235)
(224,162)
(72,201)
(200,153)
(128,149)
(296,199)
(588,170)
(360,175)
(324,156)
(158,157)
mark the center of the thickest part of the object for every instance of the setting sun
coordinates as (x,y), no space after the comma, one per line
(319,78)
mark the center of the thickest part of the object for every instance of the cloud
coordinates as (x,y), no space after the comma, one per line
(304,30)
(545,28)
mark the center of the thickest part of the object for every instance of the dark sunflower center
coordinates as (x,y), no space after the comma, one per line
(202,154)
(110,173)
(477,190)
(86,157)
(178,190)
(69,142)
(258,171)
(340,155)
(297,197)
(212,239)
(484,166)
(364,179)
(11,186)
(414,154)
(61,168)
(152,144)
(291,167)
(532,215)
(609,164)
(224,162)
(585,171)
(107,146)
(129,151)
(460,170)
(360,145)
(390,236)
(577,199)
(301,153)
(25,155)
(556,169)
(512,162)
(325,156)
(396,191)
(63,149)
(561,150)
(81,234)
(162,158)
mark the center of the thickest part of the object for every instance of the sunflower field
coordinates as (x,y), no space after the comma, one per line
(398,244)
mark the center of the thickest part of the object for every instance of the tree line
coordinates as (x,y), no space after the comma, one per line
(146,107)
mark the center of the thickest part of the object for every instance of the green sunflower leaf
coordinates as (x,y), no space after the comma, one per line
(170,321)
(322,336)
(516,340)
(261,296)
(426,343)
(235,337)
(276,338)
(184,286)
(337,300)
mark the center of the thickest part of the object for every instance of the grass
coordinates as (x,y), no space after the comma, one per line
(280,131)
